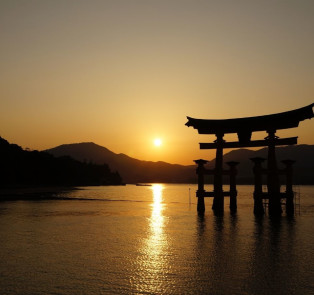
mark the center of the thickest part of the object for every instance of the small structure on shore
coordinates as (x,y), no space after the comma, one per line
(244,127)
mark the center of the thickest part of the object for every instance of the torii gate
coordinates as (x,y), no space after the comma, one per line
(244,128)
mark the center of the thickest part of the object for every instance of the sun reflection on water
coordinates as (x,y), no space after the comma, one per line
(157,219)
(153,265)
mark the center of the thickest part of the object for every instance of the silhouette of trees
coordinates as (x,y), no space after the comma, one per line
(33,168)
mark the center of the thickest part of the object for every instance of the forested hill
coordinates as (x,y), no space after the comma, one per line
(33,168)
(131,170)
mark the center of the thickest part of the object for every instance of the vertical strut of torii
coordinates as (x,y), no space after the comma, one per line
(244,127)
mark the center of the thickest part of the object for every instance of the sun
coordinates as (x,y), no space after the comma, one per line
(157,142)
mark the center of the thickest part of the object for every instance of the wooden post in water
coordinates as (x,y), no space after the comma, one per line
(233,187)
(289,188)
(200,191)
(258,185)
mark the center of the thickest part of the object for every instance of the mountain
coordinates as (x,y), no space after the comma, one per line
(33,168)
(134,170)
(130,169)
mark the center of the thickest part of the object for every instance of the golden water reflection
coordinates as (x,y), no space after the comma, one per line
(153,265)
(157,219)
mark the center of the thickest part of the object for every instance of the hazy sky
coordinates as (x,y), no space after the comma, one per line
(121,73)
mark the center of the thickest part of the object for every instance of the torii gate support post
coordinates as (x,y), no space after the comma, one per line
(273,184)
(218,203)
(289,189)
(258,186)
(233,188)
(200,171)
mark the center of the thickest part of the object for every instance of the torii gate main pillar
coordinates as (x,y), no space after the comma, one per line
(273,184)
(218,203)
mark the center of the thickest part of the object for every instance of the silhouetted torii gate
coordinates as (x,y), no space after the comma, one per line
(244,128)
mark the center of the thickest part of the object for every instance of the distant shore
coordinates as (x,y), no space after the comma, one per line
(32,193)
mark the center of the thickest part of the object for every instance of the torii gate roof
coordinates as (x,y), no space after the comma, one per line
(272,122)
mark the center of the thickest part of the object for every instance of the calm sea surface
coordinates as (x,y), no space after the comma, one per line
(150,240)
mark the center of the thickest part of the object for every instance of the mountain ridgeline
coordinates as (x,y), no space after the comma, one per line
(33,168)
(130,169)
(134,170)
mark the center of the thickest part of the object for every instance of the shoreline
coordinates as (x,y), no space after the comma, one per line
(32,193)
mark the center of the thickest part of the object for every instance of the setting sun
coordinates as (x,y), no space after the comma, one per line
(157,142)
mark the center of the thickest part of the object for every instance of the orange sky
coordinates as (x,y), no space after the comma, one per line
(121,73)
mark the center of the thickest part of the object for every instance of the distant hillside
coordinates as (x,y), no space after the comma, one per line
(302,154)
(34,168)
(133,170)
(130,169)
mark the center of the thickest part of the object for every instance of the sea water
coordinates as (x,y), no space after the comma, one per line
(150,240)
